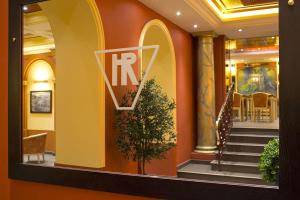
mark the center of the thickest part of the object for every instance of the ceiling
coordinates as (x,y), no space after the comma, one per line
(261,49)
(38,37)
(261,20)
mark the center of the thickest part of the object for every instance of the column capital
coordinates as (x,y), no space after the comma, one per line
(205,34)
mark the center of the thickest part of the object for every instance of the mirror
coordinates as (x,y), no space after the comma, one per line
(112,93)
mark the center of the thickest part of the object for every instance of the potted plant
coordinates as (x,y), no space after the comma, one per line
(269,162)
(147,132)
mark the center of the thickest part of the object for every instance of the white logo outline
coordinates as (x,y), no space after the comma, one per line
(141,86)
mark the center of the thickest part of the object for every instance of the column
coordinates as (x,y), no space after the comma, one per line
(206,116)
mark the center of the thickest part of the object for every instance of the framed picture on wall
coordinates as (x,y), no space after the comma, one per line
(41,101)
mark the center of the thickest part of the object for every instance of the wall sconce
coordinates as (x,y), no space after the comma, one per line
(41,75)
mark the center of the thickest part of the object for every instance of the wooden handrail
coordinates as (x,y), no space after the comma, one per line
(224,124)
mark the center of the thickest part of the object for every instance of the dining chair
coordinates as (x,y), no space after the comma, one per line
(35,145)
(261,107)
(237,104)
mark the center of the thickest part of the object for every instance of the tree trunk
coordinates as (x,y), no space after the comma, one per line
(140,170)
(143,165)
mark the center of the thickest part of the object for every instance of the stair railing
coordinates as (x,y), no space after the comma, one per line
(224,124)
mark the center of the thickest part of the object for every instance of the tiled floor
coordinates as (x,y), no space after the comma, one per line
(262,125)
(49,160)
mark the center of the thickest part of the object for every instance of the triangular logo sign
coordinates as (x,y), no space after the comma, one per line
(125,62)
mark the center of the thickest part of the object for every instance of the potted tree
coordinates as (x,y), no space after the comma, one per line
(147,132)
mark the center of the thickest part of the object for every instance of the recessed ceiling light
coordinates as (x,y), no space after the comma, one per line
(240,30)
(195,26)
(242,49)
(259,48)
(25,8)
(178,13)
(273,37)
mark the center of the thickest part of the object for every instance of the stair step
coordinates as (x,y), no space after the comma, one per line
(255,131)
(244,147)
(241,156)
(204,172)
(241,167)
(222,178)
(250,138)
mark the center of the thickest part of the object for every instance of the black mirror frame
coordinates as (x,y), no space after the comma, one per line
(157,187)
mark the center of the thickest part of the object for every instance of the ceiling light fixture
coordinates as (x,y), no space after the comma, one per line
(25,8)
(195,26)
(178,13)
(240,30)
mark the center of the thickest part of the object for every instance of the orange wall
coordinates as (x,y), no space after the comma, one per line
(119,35)
(123,21)
(219,60)
(4,185)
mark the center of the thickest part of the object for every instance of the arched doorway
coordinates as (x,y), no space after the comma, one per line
(80,89)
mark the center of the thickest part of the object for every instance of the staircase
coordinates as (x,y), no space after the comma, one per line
(240,159)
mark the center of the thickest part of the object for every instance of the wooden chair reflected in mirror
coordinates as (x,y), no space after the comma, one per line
(261,107)
(237,105)
(35,145)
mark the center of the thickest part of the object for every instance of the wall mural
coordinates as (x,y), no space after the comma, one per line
(257,79)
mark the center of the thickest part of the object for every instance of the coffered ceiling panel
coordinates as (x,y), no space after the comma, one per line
(236,4)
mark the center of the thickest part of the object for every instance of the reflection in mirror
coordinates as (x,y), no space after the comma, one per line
(105,90)
(38,87)
(61,76)
(252,65)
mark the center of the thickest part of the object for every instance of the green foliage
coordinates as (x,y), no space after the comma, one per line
(147,132)
(269,162)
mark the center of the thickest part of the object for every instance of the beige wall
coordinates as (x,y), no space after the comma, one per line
(80,133)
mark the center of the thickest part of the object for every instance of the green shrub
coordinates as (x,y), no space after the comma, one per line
(269,162)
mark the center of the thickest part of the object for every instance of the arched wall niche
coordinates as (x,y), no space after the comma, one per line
(80,88)
(155,32)
(28,62)
(34,123)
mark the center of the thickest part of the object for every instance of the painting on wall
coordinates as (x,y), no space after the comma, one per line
(257,79)
(41,102)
